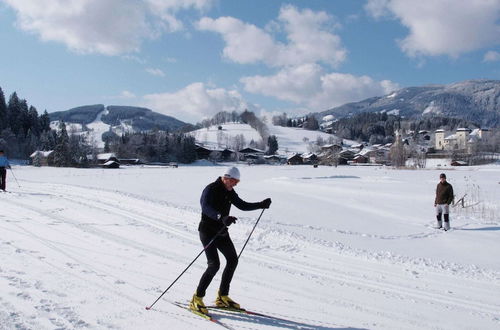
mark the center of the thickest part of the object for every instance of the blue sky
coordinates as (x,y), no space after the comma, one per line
(192,58)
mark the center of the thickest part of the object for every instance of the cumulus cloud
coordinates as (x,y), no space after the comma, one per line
(309,85)
(445,27)
(197,101)
(491,56)
(155,72)
(108,27)
(309,34)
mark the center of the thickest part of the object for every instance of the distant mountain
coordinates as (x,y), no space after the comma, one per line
(472,100)
(135,118)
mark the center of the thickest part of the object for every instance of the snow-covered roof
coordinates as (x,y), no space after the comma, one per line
(41,153)
(451,137)
(105,156)
(308,155)
(328,118)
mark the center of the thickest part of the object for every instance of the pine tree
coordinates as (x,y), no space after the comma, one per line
(272,143)
(44,122)
(3,111)
(62,152)
(13,113)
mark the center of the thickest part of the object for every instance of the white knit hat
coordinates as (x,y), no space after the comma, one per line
(232,172)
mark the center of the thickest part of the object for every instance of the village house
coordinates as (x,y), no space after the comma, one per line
(202,152)
(309,158)
(250,154)
(295,159)
(463,139)
(42,158)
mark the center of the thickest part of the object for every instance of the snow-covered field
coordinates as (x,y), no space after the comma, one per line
(340,248)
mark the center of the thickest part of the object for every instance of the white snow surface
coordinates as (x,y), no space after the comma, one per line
(340,248)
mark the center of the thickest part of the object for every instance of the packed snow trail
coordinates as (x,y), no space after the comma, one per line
(82,255)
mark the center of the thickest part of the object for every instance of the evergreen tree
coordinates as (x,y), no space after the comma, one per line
(37,160)
(3,111)
(62,151)
(311,123)
(34,122)
(272,143)
(44,122)
(13,113)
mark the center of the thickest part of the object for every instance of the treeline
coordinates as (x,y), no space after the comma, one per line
(372,127)
(307,122)
(22,129)
(155,146)
(437,122)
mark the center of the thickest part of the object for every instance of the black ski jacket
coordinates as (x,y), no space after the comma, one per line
(216,203)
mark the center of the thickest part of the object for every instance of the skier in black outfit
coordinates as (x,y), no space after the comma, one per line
(216,201)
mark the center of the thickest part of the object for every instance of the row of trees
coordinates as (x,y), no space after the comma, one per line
(308,122)
(155,146)
(22,130)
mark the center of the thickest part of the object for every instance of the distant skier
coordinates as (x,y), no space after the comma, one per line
(444,197)
(4,163)
(216,201)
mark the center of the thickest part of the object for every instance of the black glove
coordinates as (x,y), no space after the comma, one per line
(265,203)
(228,220)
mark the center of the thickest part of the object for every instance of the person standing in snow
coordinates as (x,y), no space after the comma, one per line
(4,163)
(216,201)
(444,197)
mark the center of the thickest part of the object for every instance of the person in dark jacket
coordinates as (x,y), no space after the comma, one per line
(4,164)
(216,201)
(444,197)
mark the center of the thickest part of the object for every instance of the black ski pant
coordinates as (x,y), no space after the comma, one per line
(3,175)
(224,244)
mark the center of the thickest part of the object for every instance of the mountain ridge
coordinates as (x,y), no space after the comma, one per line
(474,100)
(138,118)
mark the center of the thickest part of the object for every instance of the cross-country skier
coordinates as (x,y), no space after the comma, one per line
(4,163)
(444,197)
(216,201)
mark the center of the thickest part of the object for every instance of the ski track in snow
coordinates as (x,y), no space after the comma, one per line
(63,234)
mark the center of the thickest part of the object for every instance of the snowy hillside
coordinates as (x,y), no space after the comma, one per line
(472,100)
(340,248)
(100,119)
(96,129)
(290,139)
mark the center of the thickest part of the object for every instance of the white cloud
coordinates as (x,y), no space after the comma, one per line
(127,95)
(197,101)
(155,72)
(444,27)
(309,39)
(491,56)
(310,86)
(109,27)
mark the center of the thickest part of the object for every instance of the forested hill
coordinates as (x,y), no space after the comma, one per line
(472,100)
(140,119)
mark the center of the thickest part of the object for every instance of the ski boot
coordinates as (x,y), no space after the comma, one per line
(226,302)
(439,221)
(196,305)
(446,225)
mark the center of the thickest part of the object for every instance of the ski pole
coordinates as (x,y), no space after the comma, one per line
(192,262)
(14,177)
(251,233)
